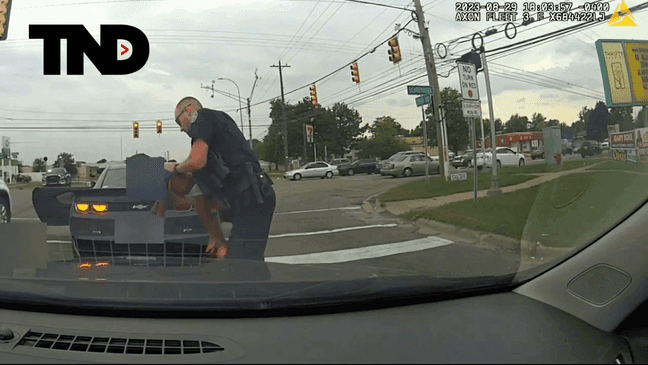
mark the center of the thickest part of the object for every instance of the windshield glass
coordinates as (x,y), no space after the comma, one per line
(265,86)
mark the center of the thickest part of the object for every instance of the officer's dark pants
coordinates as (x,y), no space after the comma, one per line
(250,224)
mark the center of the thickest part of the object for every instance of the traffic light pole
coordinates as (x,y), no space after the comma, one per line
(432,78)
(283,117)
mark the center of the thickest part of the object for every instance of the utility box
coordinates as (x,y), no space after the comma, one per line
(552,143)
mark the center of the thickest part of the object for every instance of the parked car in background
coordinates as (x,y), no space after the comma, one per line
(313,169)
(466,159)
(5,203)
(365,166)
(605,145)
(396,155)
(537,153)
(57,176)
(409,165)
(506,157)
(339,161)
(590,148)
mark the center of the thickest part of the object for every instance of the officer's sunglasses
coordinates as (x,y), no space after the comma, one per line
(179,115)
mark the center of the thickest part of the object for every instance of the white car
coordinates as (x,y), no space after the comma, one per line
(5,203)
(506,157)
(313,169)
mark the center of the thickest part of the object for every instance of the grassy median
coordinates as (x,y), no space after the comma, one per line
(566,212)
(439,187)
(546,168)
(641,166)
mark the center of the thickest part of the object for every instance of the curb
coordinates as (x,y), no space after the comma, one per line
(494,241)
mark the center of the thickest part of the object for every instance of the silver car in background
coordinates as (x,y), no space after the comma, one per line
(313,169)
(408,165)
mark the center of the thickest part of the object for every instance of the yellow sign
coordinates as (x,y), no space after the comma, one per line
(622,21)
(638,62)
(617,73)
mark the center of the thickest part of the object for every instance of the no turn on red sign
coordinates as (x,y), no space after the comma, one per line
(468,81)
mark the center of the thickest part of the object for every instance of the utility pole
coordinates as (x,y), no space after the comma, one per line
(432,78)
(283,116)
(248,106)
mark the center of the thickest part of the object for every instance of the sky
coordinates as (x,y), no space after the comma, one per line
(195,43)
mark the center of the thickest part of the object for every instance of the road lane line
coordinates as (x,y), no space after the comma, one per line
(25,219)
(332,230)
(317,210)
(362,253)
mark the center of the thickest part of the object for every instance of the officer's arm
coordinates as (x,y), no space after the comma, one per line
(197,159)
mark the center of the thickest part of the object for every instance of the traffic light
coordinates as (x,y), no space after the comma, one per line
(5,6)
(355,74)
(159,126)
(472,57)
(135,130)
(313,92)
(394,51)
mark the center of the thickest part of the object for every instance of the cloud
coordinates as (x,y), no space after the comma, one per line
(520,100)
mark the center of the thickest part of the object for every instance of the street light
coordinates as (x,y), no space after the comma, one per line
(239,97)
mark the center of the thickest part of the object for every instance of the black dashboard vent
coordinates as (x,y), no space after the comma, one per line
(112,345)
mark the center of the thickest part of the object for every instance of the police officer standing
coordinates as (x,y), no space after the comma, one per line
(225,169)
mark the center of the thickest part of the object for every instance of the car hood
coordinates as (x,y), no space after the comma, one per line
(217,285)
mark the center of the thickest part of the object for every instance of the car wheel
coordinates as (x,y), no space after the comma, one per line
(297,177)
(438,170)
(499,164)
(350,172)
(469,165)
(5,214)
(329,175)
(533,158)
(521,162)
(407,172)
(582,156)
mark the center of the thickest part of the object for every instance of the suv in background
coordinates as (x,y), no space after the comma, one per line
(57,176)
(339,161)
(590,148)
(5,203)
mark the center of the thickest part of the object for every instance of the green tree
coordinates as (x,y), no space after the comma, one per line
(66,160)
(516,123)
(639,120)
(623,117)
(384,141)
(39,165)
(457,125)
(538,121)
(553,123)
(596,124)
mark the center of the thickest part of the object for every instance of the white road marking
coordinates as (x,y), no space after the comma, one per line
(25,219)
(332,230)
(362,253)
(58,241)
(317,210)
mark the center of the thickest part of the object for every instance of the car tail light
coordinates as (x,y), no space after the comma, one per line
(82,208)
(99,208)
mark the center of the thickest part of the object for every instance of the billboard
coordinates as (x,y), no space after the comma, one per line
(622,140)
(624,70)
(642,141)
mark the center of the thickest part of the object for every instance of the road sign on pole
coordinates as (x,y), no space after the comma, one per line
(309,133)
(471,109)
(423,100)
(419,90)
(468,81)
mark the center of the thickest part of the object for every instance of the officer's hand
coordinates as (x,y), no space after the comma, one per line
(217,248)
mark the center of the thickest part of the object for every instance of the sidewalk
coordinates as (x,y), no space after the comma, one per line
(402,207)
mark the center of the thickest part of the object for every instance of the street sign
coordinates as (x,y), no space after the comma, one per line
(468,81)
(309,133)
(471,109)
(14,154)
(419,90)
(423,100)
(459,177)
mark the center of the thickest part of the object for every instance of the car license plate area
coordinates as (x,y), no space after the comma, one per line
(138,227)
